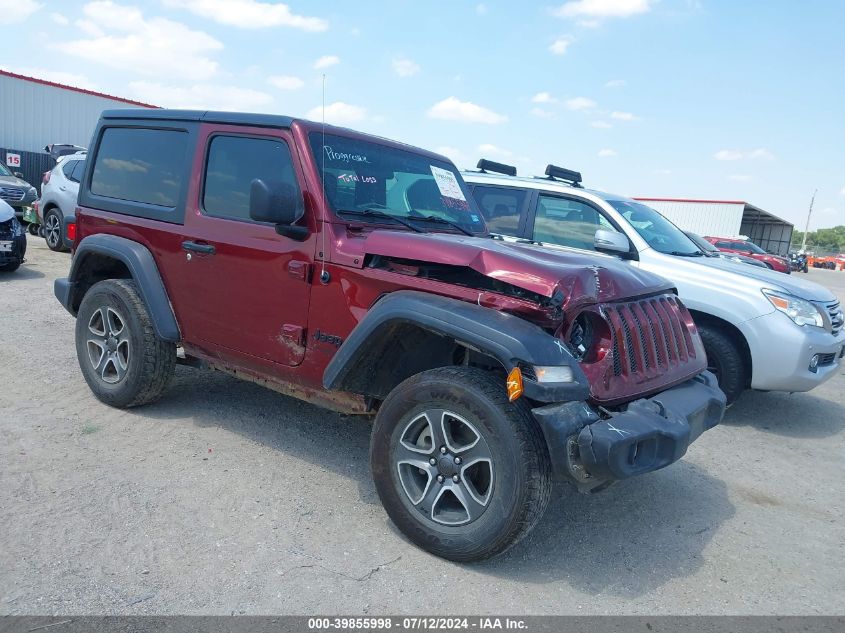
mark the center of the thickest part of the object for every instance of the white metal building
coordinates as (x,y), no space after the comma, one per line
(35,113)
(726,218)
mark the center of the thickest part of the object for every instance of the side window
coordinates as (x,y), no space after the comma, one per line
(730,245)
(140,165)
(78,170)
(233,163)
(67,168)
(568,222)
(501,208)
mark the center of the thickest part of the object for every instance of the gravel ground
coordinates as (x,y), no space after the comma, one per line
(227,498)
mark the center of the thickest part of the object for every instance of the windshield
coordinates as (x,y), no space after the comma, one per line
(4,171)
(702,244)
(360,176)
(660,233)
(754,248)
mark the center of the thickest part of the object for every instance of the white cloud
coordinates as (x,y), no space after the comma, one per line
(589,24)
(14,11)
(622,116)
(842,191)
(560,45)
(606,153)
(542,114)
(405,67)
(285,82)
(453,153)
(201,96)
(249,14)
(488,149)
(736,154)
(338,113)
(453,109)
(481,9)
(325,61)
(616,83)
(739,177)
(602,8)
(580,103)
(543,97)
(602,125)
(56,76)
(59,19)
(156,46)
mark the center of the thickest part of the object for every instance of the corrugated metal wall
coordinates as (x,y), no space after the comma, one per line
(771,237)
(33,115)
(705,218)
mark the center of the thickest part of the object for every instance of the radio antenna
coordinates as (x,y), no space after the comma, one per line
(324,276)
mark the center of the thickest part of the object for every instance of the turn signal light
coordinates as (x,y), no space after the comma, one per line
(514,384)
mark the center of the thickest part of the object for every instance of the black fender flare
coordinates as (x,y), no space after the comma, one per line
(508,338)
(142,267)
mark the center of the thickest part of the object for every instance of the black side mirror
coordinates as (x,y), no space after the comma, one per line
(277,202)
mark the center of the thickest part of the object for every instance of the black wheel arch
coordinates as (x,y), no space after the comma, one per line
(407,332)
(99,257)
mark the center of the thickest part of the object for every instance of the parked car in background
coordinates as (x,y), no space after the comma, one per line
(750,249)
(740,311)
(357,273)
(711,251)
(16,191)
(56,207)
(12,239)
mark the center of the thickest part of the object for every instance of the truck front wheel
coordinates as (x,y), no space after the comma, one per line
(725,361)
(462,472)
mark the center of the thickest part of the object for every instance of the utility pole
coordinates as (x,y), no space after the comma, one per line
(807,226)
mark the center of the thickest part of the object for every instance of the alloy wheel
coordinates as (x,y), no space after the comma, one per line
(53,230)
(108,344)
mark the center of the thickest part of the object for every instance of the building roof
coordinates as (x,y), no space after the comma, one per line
(85,91)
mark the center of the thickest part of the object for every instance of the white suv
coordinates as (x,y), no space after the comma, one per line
(59,190)
(741,311)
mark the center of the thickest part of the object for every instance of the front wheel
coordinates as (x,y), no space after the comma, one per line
(462,472)
(123,361)
(725,361)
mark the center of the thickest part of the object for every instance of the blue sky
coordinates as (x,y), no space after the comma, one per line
(672,98)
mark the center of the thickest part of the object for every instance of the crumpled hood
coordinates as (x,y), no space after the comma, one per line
(6,211)
(582,279)
(764,278)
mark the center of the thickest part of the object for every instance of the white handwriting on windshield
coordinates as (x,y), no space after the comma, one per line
(344,157)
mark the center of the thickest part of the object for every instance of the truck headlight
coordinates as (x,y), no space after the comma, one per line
(801,311)
(554,374)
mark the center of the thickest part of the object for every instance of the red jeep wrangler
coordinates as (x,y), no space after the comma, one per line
(357,273)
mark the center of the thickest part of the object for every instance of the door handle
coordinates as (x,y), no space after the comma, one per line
(63,188)
(198,247)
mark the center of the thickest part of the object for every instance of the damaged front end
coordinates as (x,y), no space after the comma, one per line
(595,446)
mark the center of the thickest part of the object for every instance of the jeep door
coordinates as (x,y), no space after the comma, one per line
(245,289)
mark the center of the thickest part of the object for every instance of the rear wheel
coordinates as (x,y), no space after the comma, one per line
(725,361)
(123,361)
(462,472)
(53,230)
(32,227)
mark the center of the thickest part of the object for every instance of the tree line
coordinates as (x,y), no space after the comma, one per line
(822,240)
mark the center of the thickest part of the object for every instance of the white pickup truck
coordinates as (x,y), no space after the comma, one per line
(761,329)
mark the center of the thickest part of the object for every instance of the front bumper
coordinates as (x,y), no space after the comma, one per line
(786,365)
(650,434)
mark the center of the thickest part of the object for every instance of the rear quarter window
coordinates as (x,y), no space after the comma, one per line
(140,165)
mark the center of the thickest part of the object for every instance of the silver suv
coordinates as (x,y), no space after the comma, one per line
(59,191)
(741,311)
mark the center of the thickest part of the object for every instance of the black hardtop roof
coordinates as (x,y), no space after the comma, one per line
(209,116)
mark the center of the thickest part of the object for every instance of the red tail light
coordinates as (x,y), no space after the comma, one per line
(45,177)
(71,232)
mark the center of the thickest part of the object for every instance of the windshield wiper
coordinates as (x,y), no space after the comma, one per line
(375,213)
(693,254)
(439,220)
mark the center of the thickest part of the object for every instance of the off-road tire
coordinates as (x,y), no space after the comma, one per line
(52,216)
(151,361)
(521,469)
(725,360)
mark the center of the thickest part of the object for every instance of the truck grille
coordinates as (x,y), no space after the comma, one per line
(649,336)
(836,317)
(11,194)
